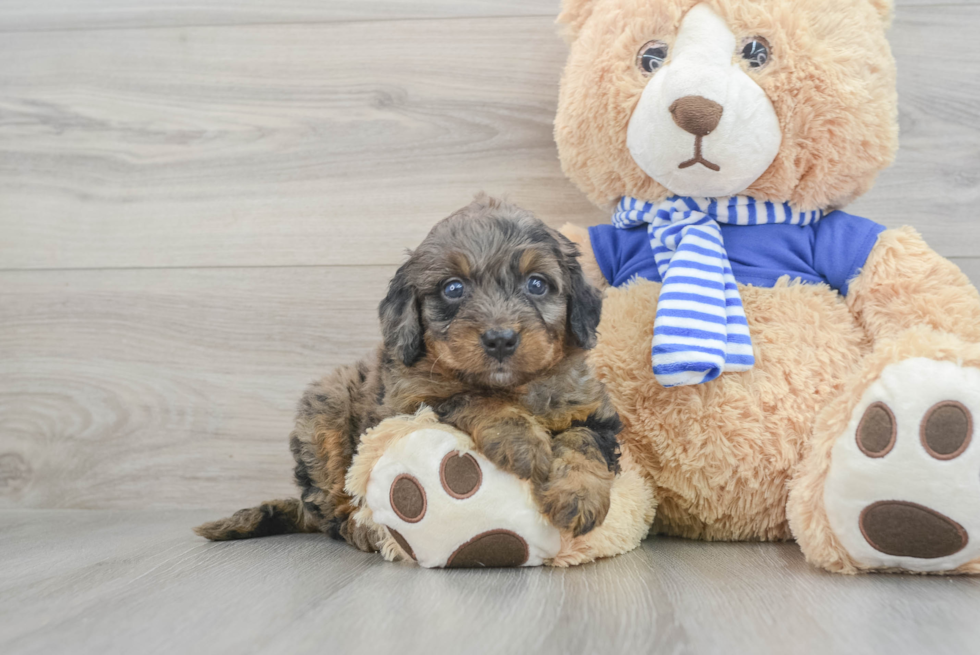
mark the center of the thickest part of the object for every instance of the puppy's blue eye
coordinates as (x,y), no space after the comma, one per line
(537,286)
(453,289)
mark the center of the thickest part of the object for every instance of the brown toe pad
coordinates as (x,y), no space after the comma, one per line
(493,549)
(877,430)
(904,529)
(460,475)
(407,498)
(946,429)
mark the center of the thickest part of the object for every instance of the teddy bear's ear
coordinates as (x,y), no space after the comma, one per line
(884,9)
(574,13)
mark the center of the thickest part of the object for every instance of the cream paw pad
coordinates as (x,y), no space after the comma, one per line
(443,503)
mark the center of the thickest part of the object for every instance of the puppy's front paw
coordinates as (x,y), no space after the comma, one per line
(576,496)
(517,448)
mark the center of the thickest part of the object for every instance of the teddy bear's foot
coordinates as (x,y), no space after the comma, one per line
(446,505)
(424,493)
(903,486)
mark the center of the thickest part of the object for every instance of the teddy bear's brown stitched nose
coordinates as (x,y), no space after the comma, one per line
(696,115)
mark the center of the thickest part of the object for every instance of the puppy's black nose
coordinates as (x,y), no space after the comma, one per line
(500,344)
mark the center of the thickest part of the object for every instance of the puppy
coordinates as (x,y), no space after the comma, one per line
(488,323)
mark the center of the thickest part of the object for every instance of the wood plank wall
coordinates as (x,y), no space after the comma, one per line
(201,203)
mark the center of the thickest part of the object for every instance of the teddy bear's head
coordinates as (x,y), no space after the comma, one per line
(783,100)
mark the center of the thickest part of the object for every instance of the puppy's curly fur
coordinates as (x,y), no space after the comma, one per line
(538,413)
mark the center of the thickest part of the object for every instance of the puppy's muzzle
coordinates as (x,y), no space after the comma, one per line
(500,344)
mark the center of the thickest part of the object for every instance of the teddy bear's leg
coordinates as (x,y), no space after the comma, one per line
(890,480)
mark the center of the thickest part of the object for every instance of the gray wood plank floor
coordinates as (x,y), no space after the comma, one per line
(139,582)
(201,202)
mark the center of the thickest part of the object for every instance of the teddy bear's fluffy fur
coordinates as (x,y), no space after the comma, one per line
(746,456)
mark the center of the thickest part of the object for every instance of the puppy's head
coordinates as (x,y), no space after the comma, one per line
(493,296)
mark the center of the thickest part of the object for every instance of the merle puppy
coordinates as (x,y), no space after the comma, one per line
(488,323)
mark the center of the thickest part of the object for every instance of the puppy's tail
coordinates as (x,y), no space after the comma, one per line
(269,518)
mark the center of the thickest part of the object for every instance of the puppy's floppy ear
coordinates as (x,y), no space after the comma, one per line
(401,321)
(584,300)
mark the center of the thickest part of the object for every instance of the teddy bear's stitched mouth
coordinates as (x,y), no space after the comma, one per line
(698,158)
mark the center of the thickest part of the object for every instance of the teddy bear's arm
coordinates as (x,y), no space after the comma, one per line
(905,283)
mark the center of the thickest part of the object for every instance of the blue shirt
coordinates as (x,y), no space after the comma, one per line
(832,251)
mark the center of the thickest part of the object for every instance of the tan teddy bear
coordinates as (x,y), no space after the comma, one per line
(783,369)
(805,373)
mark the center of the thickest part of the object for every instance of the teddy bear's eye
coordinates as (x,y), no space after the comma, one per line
(755,50)
(652,56)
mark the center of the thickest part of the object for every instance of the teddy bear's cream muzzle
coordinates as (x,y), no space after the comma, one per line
(703,127)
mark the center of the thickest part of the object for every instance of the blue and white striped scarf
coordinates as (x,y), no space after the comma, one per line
(700,330)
